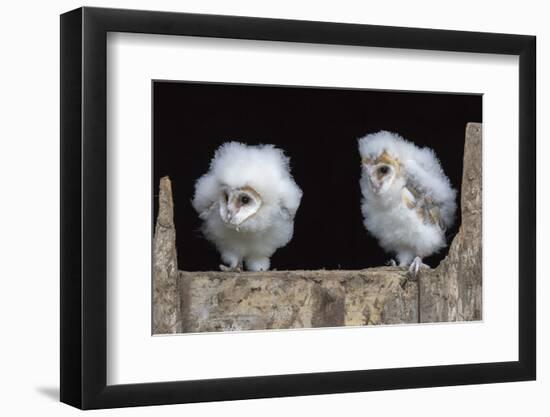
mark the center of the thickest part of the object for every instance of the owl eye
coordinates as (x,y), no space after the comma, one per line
(383,170)
(245,199)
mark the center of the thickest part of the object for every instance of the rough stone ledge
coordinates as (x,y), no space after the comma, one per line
(225,301)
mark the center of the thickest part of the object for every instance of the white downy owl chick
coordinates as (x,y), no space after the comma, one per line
(408,201)
(248,200)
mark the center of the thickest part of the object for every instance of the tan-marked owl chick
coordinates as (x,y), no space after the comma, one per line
(408,201)
(248,200)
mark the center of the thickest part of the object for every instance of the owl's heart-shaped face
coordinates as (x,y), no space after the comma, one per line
(238,204)
(381,171)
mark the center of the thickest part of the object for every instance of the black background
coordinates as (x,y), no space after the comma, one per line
(318,128)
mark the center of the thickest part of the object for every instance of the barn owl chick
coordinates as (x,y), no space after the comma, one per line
(408,201)
(247,201)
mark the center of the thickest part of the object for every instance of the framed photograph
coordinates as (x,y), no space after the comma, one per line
(257,208)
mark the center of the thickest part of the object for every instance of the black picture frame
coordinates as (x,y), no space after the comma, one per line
(84,207)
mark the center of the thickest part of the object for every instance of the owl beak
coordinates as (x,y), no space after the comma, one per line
(231,220)
(231,217)
(375,187)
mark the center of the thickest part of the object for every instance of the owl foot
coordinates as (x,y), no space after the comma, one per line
(225,268)
(257,264)
(415,267)
(391,262)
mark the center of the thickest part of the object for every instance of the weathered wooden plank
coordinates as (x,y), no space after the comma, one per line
(453,291)
(166,297)
(220,301)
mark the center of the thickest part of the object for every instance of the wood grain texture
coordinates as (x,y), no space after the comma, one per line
(220,301)
(453,291)
(166,297)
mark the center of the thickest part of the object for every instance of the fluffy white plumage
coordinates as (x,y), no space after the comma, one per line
(248,200)
(408,201)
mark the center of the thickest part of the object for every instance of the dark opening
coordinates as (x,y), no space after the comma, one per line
(318,128)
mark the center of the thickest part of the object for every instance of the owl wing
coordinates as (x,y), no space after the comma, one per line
(289,199)
(286,214)
(206,212)
(427,210)
(288,207)
(206,195)
(434,197)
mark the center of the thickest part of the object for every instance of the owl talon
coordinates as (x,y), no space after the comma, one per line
(391,262)
(225,268)
(415,267)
